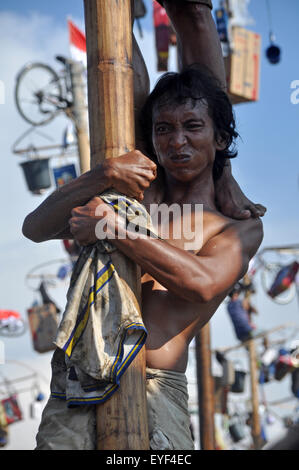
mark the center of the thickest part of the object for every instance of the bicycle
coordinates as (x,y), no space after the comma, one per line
(41,93)
(270,269)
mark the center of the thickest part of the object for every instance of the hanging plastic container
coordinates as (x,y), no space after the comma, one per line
(273,53)
(239,384)
(64,174)
(37,174)
(35,410)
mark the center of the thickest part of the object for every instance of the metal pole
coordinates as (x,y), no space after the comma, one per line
(205,384)
(79,114)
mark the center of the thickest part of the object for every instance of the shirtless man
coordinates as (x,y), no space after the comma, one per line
(181,289)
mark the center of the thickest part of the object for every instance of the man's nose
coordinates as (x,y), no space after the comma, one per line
(178,139)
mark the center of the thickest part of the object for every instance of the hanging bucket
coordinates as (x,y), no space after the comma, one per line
(37,174)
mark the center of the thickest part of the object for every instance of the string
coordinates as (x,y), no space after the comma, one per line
(271,35)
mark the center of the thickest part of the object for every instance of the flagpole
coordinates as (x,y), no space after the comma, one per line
(79,109)
(79,114)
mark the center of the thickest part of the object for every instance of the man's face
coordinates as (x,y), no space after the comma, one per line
(184,139)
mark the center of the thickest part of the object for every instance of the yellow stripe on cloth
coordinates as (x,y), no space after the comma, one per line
(105,277)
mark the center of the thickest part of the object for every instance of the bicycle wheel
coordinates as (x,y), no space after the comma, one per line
(38,94)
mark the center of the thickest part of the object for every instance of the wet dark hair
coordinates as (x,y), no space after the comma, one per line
(195,83)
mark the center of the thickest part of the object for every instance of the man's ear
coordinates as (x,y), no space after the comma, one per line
(221,141)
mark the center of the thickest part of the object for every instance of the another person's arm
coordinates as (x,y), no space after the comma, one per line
(197,36)
(198,42)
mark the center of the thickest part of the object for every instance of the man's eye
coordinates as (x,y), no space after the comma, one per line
(194,126)
(161,129)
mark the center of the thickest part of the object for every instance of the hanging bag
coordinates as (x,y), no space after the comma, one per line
(12,410)
(43,321)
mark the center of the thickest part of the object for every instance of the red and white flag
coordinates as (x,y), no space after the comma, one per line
(160,15)
(77,43)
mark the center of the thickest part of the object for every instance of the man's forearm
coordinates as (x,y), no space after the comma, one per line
(52,216)
(175,269)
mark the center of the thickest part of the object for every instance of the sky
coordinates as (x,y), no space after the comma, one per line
(266,168)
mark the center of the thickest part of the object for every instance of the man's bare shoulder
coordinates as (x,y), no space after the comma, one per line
(245,235)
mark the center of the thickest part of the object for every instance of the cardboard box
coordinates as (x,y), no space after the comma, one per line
(243,65)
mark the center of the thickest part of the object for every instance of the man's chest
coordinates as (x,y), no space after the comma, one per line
(186,226)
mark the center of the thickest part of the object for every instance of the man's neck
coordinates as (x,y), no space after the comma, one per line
(201,190)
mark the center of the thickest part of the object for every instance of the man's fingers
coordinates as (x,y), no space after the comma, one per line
(73,223)
(76,211)
(150,175)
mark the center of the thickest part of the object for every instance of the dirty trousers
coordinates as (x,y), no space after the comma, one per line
(64,428)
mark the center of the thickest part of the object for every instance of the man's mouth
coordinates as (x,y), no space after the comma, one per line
(180,158)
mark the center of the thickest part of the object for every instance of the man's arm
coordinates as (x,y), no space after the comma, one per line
(50,219)
(196,278)
(129,174)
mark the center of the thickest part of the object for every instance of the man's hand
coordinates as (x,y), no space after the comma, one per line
(131,173)
(231,200)
(85,218)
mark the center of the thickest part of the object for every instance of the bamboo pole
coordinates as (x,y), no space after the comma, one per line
(255,425)
(205,384)
(122,420)
(260,335)
(251,347)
